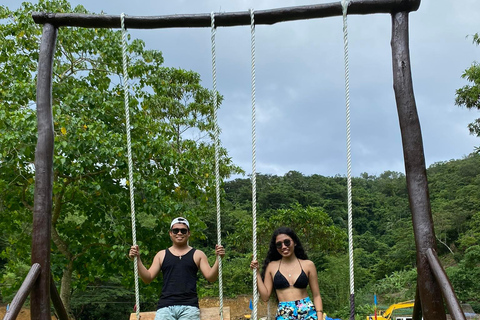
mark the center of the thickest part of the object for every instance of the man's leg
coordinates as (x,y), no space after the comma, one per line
(186,313)
(164,314)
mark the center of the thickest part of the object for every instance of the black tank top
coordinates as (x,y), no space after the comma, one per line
(179,280)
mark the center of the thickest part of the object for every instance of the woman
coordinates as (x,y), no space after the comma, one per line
(288,270)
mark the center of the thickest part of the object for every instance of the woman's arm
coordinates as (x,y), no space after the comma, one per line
(313,282)
(264,286)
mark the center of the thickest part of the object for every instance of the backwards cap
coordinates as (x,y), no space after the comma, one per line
(180,220)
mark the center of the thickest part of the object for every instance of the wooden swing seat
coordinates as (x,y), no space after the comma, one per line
(205,314)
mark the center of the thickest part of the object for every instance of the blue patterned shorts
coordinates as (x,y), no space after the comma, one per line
(296,310)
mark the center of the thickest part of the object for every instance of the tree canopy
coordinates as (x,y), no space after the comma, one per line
(171,129)
(469,95)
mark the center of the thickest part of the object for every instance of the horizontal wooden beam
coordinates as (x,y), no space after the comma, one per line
(226,19)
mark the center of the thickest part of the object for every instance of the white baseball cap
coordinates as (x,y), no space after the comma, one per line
(180,220)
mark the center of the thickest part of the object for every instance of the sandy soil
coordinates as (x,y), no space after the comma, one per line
(239,307)
(23,315)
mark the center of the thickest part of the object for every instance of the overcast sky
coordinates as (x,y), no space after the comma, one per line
(300,82)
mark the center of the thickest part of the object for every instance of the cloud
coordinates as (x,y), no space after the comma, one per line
(300,82)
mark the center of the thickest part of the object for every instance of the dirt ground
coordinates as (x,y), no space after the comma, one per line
(23,315)
(239,307)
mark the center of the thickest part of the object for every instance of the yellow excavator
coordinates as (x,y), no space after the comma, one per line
(387,314)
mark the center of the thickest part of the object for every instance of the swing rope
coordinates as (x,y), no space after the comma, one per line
(254,170)
(345,4)
(130,162)
(217,162)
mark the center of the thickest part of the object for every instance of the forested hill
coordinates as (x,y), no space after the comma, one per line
(380,203)
(316,206)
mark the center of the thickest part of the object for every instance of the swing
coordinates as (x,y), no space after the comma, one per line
(214,313)
(224,313)
(205,314)
(344,4)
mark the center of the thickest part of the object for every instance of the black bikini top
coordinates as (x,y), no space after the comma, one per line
(280,282)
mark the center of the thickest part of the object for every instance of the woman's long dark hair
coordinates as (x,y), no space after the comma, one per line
(274,255)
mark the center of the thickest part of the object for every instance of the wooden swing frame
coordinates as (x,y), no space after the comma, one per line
(432,281)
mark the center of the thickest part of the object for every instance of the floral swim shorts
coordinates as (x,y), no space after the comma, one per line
(296,310)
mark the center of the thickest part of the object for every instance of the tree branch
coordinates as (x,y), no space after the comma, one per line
(57,199)
(444,244)
(24,201)
(61,245)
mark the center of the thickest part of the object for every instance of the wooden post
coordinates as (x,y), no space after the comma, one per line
(415,170)
(453,305)
(42,210)
(417,308)
(57,301)
(22,293)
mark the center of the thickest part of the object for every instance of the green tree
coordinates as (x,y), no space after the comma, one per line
(455,199)
(334,284)
(469,95)
(314,227)
(464,276)
(471,237)
(171,128)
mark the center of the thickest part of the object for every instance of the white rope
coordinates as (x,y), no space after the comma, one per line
(345,4)
(130,165)
(217,163)
(254,170)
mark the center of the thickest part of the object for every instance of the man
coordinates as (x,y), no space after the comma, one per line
(179,265)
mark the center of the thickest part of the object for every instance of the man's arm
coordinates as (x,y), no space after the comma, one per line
(210,273)
(147,276)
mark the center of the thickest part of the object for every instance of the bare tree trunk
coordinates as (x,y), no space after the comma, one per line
(66,288)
